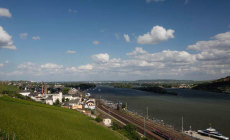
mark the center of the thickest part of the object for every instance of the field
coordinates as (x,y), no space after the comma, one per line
(35,121)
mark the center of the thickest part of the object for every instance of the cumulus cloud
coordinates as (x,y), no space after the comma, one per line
(101,58)
(220,41)
(218,48)
(86,67)
(165,56)
(6,40)
(51,66)
(156,35)
(137,51)
(126,36)
(148,1)
(96,42)
(23,35)
(36,37)
(207,62)
(5,13)
(70,52)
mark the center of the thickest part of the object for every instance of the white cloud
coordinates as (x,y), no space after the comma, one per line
(148,1)
(6,40)
(156,35)
(70,52)
(126,36)
(23,35)
(165,56)
(210,60)
(72,11)
(96,42)
(220,41)
(6,62)
(36,37)
(137,51)
(51,66)
(217,49)
(5,13)
(86,67)
(1,65)
(101,58)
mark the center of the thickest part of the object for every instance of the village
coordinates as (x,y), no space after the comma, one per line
(73,98)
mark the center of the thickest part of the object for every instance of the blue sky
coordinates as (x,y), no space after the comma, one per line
(84,39)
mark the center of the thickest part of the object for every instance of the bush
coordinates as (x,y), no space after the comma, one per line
(98,119)
(57,102)
(92,112)
(115,126)
(65,90)
(130,132)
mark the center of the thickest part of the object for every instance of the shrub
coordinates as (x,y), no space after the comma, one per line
(57,102)
(98,119)
(115,126)
(130,132)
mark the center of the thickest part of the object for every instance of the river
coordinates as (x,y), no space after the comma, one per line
(199,109)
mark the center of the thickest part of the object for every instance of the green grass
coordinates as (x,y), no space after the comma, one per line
(35,121)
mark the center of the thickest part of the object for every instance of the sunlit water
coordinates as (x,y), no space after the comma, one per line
(198,108)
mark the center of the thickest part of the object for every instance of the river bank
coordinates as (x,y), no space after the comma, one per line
(198,108)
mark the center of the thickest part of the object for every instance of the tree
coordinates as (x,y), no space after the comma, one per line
(115,126)
(130,132)
(57,102)
(63,99)
(98,119)
(124,106)
(65,90)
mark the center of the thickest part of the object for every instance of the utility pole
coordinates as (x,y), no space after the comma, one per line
(144,126)
(182,127)
(147,108)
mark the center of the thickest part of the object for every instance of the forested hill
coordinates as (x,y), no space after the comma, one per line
(220,85)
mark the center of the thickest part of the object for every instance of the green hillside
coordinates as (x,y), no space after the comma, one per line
(35,121)
(220,85)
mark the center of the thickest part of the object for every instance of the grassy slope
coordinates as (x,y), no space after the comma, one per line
(220,85)
(35,121)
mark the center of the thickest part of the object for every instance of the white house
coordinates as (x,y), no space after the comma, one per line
(69,97)
(90,104)
(24,93)
(57,97)
(49,101)
(107,122)
(74,102)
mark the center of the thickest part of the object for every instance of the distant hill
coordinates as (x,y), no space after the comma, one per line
(35,121)
(220,85)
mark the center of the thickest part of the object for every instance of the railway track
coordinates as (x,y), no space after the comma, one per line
(139,123)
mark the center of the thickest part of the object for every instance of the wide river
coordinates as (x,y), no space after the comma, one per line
(199,109)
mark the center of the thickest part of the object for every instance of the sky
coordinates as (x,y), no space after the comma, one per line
(88,40)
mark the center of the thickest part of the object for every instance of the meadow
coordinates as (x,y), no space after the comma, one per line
(29,120)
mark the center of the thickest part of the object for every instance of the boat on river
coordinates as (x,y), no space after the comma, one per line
(211,132)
